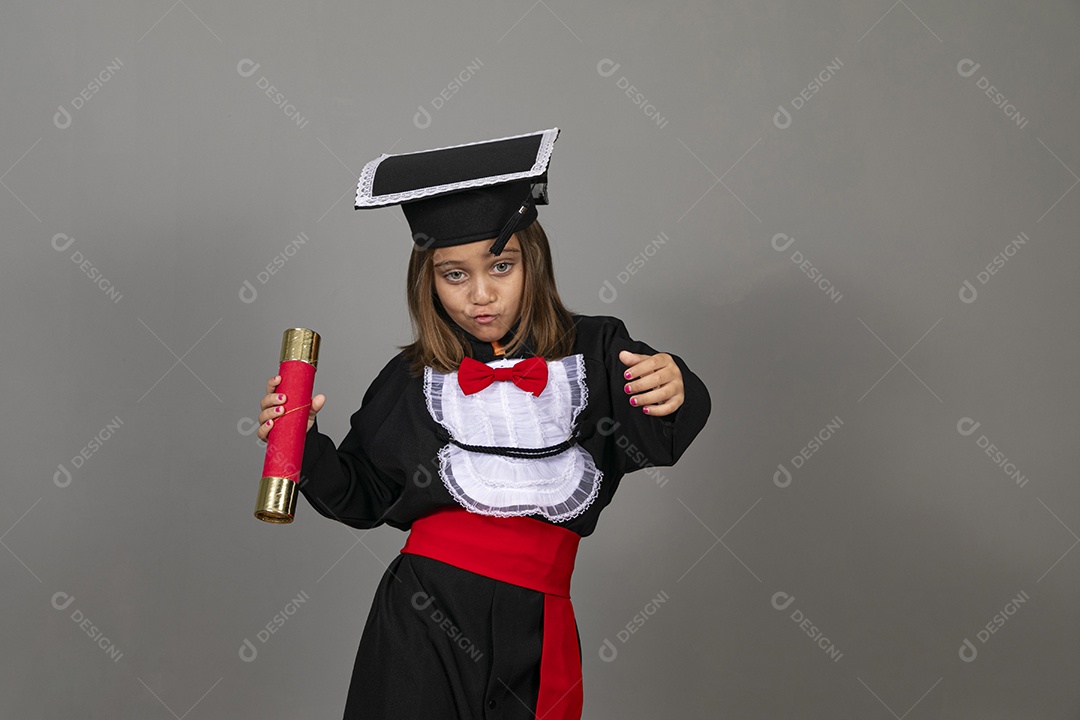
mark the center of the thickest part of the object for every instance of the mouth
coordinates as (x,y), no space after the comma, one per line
(485,319)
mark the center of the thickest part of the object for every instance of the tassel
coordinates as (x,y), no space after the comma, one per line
(508,229)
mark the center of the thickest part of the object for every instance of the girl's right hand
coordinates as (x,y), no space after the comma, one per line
(271,408)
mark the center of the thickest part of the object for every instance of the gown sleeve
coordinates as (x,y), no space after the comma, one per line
(344,484)
(642,441)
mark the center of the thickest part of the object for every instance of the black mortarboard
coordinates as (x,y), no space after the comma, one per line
(463,193)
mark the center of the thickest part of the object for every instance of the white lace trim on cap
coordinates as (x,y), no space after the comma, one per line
(365,199)
(559,487)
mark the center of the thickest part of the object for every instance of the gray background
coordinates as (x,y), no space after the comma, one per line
(178,180)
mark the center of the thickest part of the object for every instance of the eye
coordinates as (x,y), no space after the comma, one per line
(454,275)
(503,267)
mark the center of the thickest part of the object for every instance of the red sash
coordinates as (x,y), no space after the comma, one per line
(520,551)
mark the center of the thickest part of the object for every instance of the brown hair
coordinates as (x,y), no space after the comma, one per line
(440,343)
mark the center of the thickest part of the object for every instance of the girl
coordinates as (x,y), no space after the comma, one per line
(496,438)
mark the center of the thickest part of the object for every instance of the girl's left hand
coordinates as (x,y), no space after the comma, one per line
(654,382)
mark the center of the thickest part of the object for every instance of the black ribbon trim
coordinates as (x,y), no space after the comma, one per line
(514,452)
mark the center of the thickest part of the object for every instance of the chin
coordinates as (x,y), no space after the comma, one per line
(488,334)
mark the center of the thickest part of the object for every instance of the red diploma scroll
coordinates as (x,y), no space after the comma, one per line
(285,448)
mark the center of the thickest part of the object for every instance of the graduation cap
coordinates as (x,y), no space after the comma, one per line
(463,193)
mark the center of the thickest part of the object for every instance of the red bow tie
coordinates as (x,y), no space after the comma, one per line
(530,375)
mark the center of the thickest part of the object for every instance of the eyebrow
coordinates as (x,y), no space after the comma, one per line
(446,263)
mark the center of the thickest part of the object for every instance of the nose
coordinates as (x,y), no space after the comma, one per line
(483,291)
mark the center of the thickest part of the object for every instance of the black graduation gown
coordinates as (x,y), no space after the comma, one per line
(441,642)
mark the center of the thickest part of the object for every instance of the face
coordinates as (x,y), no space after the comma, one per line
(480,291)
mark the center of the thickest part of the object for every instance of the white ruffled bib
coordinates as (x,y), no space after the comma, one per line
(559,487)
